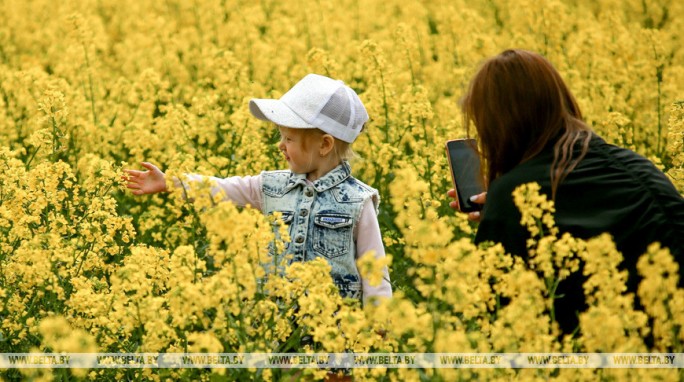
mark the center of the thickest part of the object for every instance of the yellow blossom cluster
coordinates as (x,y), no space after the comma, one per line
(88,88)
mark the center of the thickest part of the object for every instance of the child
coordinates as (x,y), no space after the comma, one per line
(330,213)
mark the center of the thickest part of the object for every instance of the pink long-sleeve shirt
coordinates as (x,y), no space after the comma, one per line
(246,190)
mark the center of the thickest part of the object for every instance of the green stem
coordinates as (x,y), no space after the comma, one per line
(659,76)
(659,81)
(28,163)
(413,76)
(384,98)
(55,139)
(198,149)
(90,84)
(83,259)
(321,17)
(552,296)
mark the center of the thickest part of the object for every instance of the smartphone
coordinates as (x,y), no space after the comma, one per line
(464,163)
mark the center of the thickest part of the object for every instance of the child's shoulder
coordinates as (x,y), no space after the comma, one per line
(278,181)
(354,189)
(361,186)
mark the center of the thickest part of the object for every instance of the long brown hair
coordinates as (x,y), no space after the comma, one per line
(519,104)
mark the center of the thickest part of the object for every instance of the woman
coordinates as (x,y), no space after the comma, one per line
(530,129)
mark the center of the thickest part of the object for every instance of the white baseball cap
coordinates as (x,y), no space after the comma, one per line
(316,102)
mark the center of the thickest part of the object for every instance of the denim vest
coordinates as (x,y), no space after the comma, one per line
(322,217)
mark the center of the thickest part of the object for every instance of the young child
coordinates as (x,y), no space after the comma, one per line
(330,213)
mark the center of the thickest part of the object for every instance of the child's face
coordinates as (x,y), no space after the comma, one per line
(300,149)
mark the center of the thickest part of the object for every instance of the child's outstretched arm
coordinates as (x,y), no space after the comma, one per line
(151,181)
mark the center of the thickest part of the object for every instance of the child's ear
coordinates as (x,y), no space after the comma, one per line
(327,144)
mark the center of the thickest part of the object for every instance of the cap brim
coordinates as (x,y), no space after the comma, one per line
(276,111)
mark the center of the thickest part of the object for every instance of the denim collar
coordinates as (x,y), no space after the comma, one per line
(326,182)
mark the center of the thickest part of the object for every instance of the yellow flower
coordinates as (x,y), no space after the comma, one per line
(661,298)
(203,343)
(87,89)
(371,267)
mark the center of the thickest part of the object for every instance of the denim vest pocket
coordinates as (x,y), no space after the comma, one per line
(350,289)
(332,234)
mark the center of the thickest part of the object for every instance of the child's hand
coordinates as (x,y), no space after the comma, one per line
(146,182)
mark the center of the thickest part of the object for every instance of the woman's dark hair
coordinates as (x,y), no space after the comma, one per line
(519,104)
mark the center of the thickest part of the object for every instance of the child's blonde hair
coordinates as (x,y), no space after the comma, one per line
(343,149)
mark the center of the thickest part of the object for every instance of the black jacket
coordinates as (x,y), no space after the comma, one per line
(611,190)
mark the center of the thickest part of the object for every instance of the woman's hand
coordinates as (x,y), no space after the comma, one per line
(146,182)
(479,199)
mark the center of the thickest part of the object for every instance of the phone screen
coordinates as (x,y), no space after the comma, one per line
(465,172)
